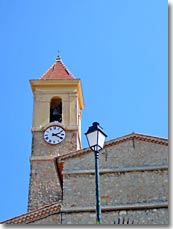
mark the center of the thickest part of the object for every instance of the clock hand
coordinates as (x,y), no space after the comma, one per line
(53,134)
(60,132)
(59,137)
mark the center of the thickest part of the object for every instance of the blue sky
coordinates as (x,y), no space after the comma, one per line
(117,48)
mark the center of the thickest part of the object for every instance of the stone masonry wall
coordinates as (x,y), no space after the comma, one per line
(147,216)
(127,154)
(44,185)
(42,148)
(116,188)
(131,173)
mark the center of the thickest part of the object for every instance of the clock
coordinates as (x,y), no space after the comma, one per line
(54,135)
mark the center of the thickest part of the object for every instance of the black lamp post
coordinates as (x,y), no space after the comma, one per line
(96,139)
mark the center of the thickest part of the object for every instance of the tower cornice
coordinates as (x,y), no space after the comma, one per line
(54,84)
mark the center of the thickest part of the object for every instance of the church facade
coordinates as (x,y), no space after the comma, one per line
(133,168)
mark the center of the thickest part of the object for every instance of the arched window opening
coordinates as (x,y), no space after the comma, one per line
(56,110)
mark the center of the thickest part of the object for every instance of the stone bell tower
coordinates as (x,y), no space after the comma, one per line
(56,130)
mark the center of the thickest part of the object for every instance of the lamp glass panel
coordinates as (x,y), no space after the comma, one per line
(101,139)
(92,138)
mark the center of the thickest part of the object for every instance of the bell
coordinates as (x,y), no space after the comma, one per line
(55,111)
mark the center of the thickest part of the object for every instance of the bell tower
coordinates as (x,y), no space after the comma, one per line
(56,130)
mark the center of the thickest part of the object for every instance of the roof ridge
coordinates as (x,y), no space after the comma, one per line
(148,135)
(135,134)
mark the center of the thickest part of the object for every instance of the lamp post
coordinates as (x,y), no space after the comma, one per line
(96,138)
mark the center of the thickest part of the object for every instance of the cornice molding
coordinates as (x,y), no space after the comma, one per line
(118,207)
(42,158)
(117,170)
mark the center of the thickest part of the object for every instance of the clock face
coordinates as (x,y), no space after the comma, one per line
(54,135)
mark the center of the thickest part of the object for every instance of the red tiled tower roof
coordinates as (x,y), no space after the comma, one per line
(57,71)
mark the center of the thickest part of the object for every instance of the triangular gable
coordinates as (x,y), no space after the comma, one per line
(119,140)
(84,154)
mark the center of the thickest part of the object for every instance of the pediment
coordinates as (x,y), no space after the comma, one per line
(118,141)
(132,150)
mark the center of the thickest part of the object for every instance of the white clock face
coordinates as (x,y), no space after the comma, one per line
(54,135)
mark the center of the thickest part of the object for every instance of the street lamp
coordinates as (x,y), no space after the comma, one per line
(96,139)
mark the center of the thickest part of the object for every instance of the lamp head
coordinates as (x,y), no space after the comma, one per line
(95,137)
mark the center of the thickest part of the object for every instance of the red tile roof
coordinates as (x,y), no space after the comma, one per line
(35,215)
(57,71)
